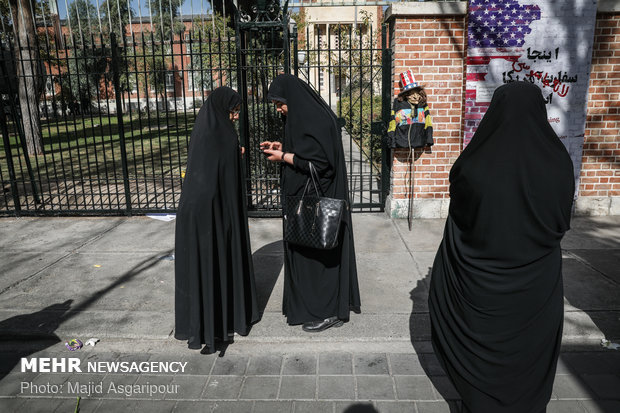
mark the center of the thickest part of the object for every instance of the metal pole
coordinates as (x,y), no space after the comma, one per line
(386,92)
(9,156)
(119,116)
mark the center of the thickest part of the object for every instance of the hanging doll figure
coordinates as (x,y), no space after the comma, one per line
(411,125)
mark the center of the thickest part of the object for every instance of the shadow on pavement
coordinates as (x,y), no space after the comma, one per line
(268,261)
(47,320)
(361,408)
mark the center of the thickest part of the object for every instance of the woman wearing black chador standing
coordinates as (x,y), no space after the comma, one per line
(496,299)
(214,279)
(320,286)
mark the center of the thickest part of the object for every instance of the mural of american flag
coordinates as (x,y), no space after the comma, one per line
(496,30)
(499,23)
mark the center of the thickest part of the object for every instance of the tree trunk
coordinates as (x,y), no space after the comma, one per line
(27,65)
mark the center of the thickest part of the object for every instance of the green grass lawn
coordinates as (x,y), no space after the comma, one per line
(90,145)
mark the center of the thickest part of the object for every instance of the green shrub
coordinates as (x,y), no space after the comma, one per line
(358,124)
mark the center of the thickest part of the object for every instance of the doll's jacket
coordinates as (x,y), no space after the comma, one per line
(410,126)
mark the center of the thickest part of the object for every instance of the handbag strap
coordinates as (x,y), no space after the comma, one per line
(314,178)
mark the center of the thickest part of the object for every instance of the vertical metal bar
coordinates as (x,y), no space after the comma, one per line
(295,58)
(386,92)
(7,146)
(185,81)
(361,115)
(119,115)
(130,113)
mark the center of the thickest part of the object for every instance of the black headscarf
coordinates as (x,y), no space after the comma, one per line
(496,300)
(312,134)
(213,131)
(214,279)
(512,182)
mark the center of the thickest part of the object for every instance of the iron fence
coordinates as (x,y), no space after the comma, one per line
(348,66)
(114,118)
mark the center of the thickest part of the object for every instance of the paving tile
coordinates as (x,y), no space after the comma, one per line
(11,384)
(260,388)
(68,405)
(337,387)
(606,386)
(223,387)
(565,406)
(232,407)
(335,363)
(444,390)
(298,388)
(163,386)
(438,407)
(375,388)
(11,405)
(273,407)
(406,364)
(396,407)
(414,388)
(355,407)
(189,387)
(302,364)
(370,364)
(154,406)
(193,406)
(568,386)
(592,362)
(113,385)
(600,406)
(198,363)
(265,365)
(431,365)
(230,365)
(313,407)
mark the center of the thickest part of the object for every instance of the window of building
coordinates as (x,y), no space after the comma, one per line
(169,81)
(49,86)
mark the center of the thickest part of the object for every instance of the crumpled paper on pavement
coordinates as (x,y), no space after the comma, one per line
(608,344)
(162,217)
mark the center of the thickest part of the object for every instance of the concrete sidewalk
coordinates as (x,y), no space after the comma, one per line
(112,278)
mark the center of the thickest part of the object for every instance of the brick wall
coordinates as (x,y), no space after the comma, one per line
(434,48)
(599,189)
(429,38)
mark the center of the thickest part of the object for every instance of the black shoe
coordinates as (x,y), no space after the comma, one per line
(318,326)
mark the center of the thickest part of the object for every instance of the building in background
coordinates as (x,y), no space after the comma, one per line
(324,29)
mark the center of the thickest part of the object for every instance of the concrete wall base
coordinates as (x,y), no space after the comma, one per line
(596,206)
(422,208)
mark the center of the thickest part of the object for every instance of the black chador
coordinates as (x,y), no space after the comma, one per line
(496,299)
(214,279)
(318,284)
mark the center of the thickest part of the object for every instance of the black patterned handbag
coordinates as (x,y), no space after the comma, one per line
(313,220)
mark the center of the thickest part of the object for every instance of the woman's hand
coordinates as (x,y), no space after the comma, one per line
(242,149)
(271,145)
(275,155)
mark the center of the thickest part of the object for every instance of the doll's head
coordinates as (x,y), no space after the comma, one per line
(415,96)
(410,90)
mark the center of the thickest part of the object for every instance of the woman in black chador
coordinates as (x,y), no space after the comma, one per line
(320,286)
(496,299)
(214,279)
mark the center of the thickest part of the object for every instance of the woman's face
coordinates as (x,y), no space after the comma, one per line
(234,114)
(281,107)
